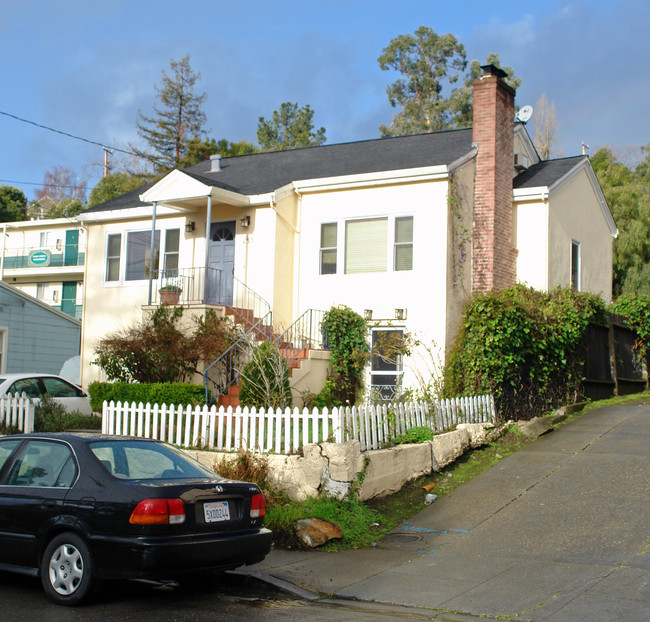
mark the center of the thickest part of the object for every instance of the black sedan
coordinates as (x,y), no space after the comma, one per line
(76,508)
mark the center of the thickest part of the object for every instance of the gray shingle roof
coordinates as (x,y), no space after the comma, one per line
(261,173)
(264,172)
(546,173)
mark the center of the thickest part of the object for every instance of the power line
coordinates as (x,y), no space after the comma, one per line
(33,183)
(86,140)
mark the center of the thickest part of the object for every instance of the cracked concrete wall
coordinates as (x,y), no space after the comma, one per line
(333,468)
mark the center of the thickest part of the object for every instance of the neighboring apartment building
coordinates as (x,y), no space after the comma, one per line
(45,259)
(401,229)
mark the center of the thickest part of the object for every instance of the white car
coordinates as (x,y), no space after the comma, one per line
(35,385)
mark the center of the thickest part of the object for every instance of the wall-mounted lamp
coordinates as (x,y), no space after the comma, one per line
(245,221)
(367,314)
(400,314)
(189,226)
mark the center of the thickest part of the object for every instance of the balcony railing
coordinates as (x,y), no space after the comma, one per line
(39,257)
(188,286)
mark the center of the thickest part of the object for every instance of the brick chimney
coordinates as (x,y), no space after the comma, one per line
(494,256)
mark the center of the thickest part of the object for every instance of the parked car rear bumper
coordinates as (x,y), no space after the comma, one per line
(165,558)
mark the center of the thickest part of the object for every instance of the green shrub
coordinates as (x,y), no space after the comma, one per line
(418,434)
(524,346)
(185,394)
(265,379)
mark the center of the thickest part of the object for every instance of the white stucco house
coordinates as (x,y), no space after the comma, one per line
(402,230)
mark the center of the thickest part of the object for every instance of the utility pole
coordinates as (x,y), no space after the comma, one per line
(106,152)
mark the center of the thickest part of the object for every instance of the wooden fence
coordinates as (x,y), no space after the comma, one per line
(17,412)
(285,431)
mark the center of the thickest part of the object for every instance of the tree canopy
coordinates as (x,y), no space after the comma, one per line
(199,150)
(430,65)
(627,191)
(13,204)
(177,119)
(115,185)
(290,127)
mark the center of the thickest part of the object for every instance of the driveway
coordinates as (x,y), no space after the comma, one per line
(559,531)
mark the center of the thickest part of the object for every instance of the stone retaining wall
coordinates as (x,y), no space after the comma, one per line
(333,468)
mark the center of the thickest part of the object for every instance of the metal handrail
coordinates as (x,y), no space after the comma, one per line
(306,333)
(247,305)
(225,372)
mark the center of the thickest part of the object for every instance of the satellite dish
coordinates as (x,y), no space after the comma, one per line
(525,114)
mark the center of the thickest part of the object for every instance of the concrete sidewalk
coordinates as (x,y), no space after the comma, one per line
(559,531)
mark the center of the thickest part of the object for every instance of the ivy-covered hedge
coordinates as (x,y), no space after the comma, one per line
(186,394)
(524,346)
(347,340)
(636,309)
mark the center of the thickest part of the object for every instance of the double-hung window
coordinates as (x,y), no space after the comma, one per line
(113,249)
(328,233)
(170,264)
(403,253)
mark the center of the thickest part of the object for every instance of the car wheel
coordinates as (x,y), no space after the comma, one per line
(67,571)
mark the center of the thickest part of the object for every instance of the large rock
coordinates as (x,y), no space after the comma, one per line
(449,446)
(313,532)
(478,433)
(535,427)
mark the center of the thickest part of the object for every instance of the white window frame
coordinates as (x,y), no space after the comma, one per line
(575,275)
(398,366)
(4,340)
(122,258)
(328,248)
(342,259)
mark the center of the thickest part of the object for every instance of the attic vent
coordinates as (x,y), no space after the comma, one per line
(521,162)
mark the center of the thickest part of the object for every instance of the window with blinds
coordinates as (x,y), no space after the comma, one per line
(366,244)
(328,233)
(403,255)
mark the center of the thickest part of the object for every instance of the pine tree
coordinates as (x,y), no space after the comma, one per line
(177,119)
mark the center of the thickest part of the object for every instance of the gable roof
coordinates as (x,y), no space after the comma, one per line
(262,173)
(546,173)
(547,176)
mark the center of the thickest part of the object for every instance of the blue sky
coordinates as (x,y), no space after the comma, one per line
(86,67)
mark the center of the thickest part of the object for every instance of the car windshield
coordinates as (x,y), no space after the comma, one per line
(135,459)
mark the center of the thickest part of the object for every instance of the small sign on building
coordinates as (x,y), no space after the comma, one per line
(40,258)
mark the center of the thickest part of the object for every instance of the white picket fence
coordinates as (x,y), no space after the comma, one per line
(17,412)
(285,431)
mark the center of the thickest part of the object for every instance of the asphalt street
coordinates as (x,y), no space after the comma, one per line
(558,532)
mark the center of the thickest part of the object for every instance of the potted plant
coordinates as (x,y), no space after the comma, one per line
(170,294)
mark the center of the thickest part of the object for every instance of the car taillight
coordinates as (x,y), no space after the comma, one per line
(258,506)
(159,512)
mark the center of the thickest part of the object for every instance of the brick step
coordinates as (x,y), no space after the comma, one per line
(231,398)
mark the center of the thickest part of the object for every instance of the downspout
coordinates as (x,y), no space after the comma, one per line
(2,259)
(153,245)
(296,272)
(208,222)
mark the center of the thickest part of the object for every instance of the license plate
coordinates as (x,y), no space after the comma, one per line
(216,511)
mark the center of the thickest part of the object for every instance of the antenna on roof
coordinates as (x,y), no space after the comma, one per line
(525,114)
